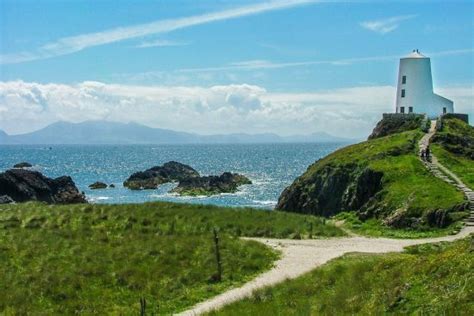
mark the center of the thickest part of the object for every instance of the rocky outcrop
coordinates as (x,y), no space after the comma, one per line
(26,185)
(97,185)
(151,178)
(331,190)
(397,123)
(5,199)
(23,165)
(210,185)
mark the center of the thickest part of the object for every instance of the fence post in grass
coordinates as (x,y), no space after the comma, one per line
(218,256)
(142,306)
(311,230)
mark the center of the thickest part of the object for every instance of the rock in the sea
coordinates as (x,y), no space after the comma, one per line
(26,185)
(210,185)
(97,185)
(111,185)
(5,199)
(23,165)
(153,177)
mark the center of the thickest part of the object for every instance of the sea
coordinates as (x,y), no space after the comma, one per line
(270,167)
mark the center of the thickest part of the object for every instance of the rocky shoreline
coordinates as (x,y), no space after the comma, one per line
(21,184)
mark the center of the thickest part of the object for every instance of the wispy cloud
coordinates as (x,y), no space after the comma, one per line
(72,44)
(266,64)
(387,25)
(161,43)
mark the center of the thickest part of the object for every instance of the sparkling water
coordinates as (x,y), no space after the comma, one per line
(270,167)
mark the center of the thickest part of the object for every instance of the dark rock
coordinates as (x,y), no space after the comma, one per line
(153,177)
(396,123)
(97,185)
(111,185)
(331,190)
(210,185)
(27,185)
(23,165)
(5,199)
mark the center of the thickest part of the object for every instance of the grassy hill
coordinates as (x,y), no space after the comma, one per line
(380,179)
(101,259)
(454,148)
(432,279)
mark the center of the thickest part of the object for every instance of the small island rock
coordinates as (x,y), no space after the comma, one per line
(97,185)
(209,185)
(111,185)
(23,165)
(153,177)
(23,185)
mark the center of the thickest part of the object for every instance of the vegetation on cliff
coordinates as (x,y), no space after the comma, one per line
(380,178)
(431,279)
(101,259)
(453,145)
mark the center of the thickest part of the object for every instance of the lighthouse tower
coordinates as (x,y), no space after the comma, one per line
(415,88)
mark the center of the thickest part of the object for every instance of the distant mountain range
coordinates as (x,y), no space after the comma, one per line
(104,132)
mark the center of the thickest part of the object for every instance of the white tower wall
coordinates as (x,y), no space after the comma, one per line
(415,88)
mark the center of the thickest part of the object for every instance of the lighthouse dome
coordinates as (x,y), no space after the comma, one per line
(415,54)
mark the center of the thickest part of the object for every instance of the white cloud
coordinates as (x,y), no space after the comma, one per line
(351,112)
(387,25)
(266,64)
(161,43)
(72,44)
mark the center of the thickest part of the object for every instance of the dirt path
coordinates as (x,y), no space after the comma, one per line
(301,256)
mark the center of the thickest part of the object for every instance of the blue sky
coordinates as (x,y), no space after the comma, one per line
(264,58)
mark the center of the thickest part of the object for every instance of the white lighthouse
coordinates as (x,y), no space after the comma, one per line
(415,88)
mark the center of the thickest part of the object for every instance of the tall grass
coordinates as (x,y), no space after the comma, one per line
(102,259)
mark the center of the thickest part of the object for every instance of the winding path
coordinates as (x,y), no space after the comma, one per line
(301,256)
(443,173)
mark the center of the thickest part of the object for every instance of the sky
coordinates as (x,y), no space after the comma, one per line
(209,67)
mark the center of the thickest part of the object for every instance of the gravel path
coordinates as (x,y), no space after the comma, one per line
(301,256)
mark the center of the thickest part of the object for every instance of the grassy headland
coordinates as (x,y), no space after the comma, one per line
(101,259)
(432,279)
(407,196)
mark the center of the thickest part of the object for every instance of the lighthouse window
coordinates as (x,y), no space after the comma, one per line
(403,93)
(404,79)
(410,109)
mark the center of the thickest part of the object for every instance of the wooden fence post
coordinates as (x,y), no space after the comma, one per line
(218,256)
(142,306)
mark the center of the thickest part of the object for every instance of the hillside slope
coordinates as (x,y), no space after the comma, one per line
(453,145)
(379,178)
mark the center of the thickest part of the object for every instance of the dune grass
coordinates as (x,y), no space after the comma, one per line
(432,279)
(101,259)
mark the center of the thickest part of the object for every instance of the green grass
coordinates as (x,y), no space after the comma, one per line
(454,148)
(374,228)
(461,166)
(432,279)
(408,187)
(101,259)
